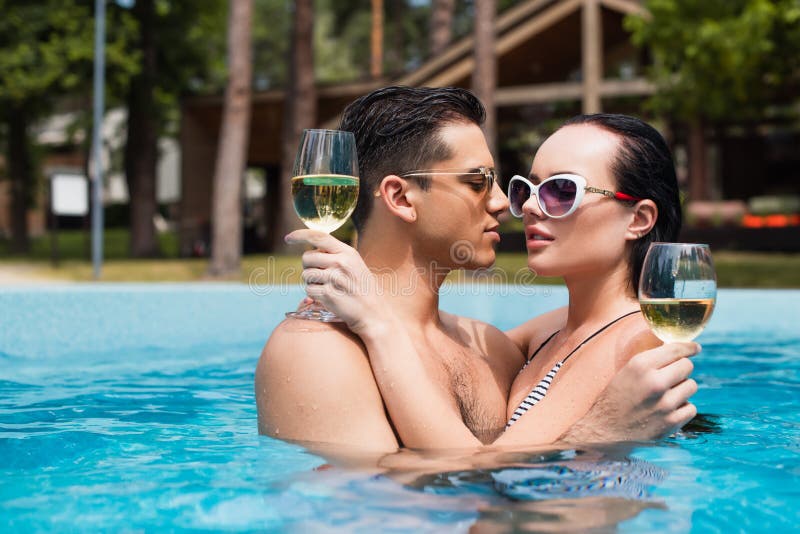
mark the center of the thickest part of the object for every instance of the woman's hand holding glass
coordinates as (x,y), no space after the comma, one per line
(337,277)
(325,190)
(677,290)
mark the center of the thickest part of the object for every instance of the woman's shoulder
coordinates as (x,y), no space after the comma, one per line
(535,331)
(633,337)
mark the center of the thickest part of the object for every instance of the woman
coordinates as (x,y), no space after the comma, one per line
(601,189)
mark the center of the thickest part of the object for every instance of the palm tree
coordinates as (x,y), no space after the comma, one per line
(226,241)
(484,77)
(299,111)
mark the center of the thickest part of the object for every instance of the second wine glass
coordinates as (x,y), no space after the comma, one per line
(677,290)
(325,190)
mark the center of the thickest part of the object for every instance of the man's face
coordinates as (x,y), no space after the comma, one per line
(457,217)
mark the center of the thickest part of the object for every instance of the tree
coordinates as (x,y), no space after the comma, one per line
(180,51)
(226,241)
(47,52)
(484,77)
(718,61)
(376,40)
(441,24)
(299,110)
(141,147)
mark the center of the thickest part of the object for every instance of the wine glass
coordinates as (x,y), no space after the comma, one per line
(325,191)
(677,290)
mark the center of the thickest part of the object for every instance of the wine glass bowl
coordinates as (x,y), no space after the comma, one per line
(677,290)
(324,190)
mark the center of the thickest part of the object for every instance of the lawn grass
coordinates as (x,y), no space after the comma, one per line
(734,269)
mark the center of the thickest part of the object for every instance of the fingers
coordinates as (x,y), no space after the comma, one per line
(316,239)
(681,416)
(318,259)
(676,372)
(665,354)
(680,394)
(332,278)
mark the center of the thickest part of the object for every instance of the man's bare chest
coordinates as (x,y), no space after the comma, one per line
(480,395)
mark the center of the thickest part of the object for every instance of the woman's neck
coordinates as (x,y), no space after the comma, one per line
(598,298)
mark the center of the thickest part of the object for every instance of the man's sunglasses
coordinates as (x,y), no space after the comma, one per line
(558,196)
(488,173)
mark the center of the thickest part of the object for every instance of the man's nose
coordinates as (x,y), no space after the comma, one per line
(498,201)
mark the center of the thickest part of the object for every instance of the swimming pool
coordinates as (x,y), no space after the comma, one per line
(130,407)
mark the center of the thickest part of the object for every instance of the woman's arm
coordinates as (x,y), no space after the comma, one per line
(423,413)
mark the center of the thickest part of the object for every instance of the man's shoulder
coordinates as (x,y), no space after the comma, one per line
(313,382)
(298,347)
(302,336)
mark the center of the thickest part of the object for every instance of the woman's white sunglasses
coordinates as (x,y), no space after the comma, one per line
(558,196)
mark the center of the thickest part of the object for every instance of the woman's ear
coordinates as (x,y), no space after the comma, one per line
(645,215)
(395,195)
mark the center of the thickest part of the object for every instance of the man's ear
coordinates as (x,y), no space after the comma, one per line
(645,214)
(395,195)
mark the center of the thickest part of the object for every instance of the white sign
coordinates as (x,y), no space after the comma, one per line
(69,194)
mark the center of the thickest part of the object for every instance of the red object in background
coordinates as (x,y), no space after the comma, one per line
(770,221)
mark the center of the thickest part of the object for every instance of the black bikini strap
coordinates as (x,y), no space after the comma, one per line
(585,341)
(542,346)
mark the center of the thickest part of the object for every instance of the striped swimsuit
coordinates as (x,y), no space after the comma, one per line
(540,390)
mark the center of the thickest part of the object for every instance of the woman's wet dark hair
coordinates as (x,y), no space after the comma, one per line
(397,130)
(643,167)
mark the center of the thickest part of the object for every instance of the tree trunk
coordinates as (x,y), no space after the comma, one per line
(299,111)
(484,77)
(441,24)
(226,220)
(394,58)
(20,173)
(141,148)
(699,186)
(376,40)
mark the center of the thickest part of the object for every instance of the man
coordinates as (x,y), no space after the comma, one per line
(314,381)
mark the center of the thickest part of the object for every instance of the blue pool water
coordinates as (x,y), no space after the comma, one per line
(130,407)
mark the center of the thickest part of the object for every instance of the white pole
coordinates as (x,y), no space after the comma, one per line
(97,179)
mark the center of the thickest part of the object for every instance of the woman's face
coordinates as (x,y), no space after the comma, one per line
(592,239)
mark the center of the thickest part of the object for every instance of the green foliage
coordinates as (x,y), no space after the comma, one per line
(47,50)
(271,19)
(719,59)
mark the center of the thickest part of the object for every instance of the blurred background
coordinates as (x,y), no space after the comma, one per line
(205,102)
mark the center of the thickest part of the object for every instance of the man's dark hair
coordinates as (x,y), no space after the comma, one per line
(643,167)
(397,130)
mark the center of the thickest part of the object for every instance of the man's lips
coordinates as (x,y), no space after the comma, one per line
(492,231)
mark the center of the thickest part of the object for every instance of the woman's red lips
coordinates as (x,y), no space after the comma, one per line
(535,238)
(537,235)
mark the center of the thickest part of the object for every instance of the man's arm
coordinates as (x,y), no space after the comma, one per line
(314,383)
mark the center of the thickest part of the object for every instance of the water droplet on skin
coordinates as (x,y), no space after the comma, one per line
(314,407)
(288,379)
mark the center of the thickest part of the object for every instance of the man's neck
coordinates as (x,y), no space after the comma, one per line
(409,284)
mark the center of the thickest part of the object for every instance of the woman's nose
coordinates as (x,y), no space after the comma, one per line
(531,207)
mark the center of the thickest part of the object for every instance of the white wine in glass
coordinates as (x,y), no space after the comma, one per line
(677,290)
(325,190)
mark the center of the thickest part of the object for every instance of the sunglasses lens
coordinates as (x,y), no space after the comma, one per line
(518,194)
(558,196)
